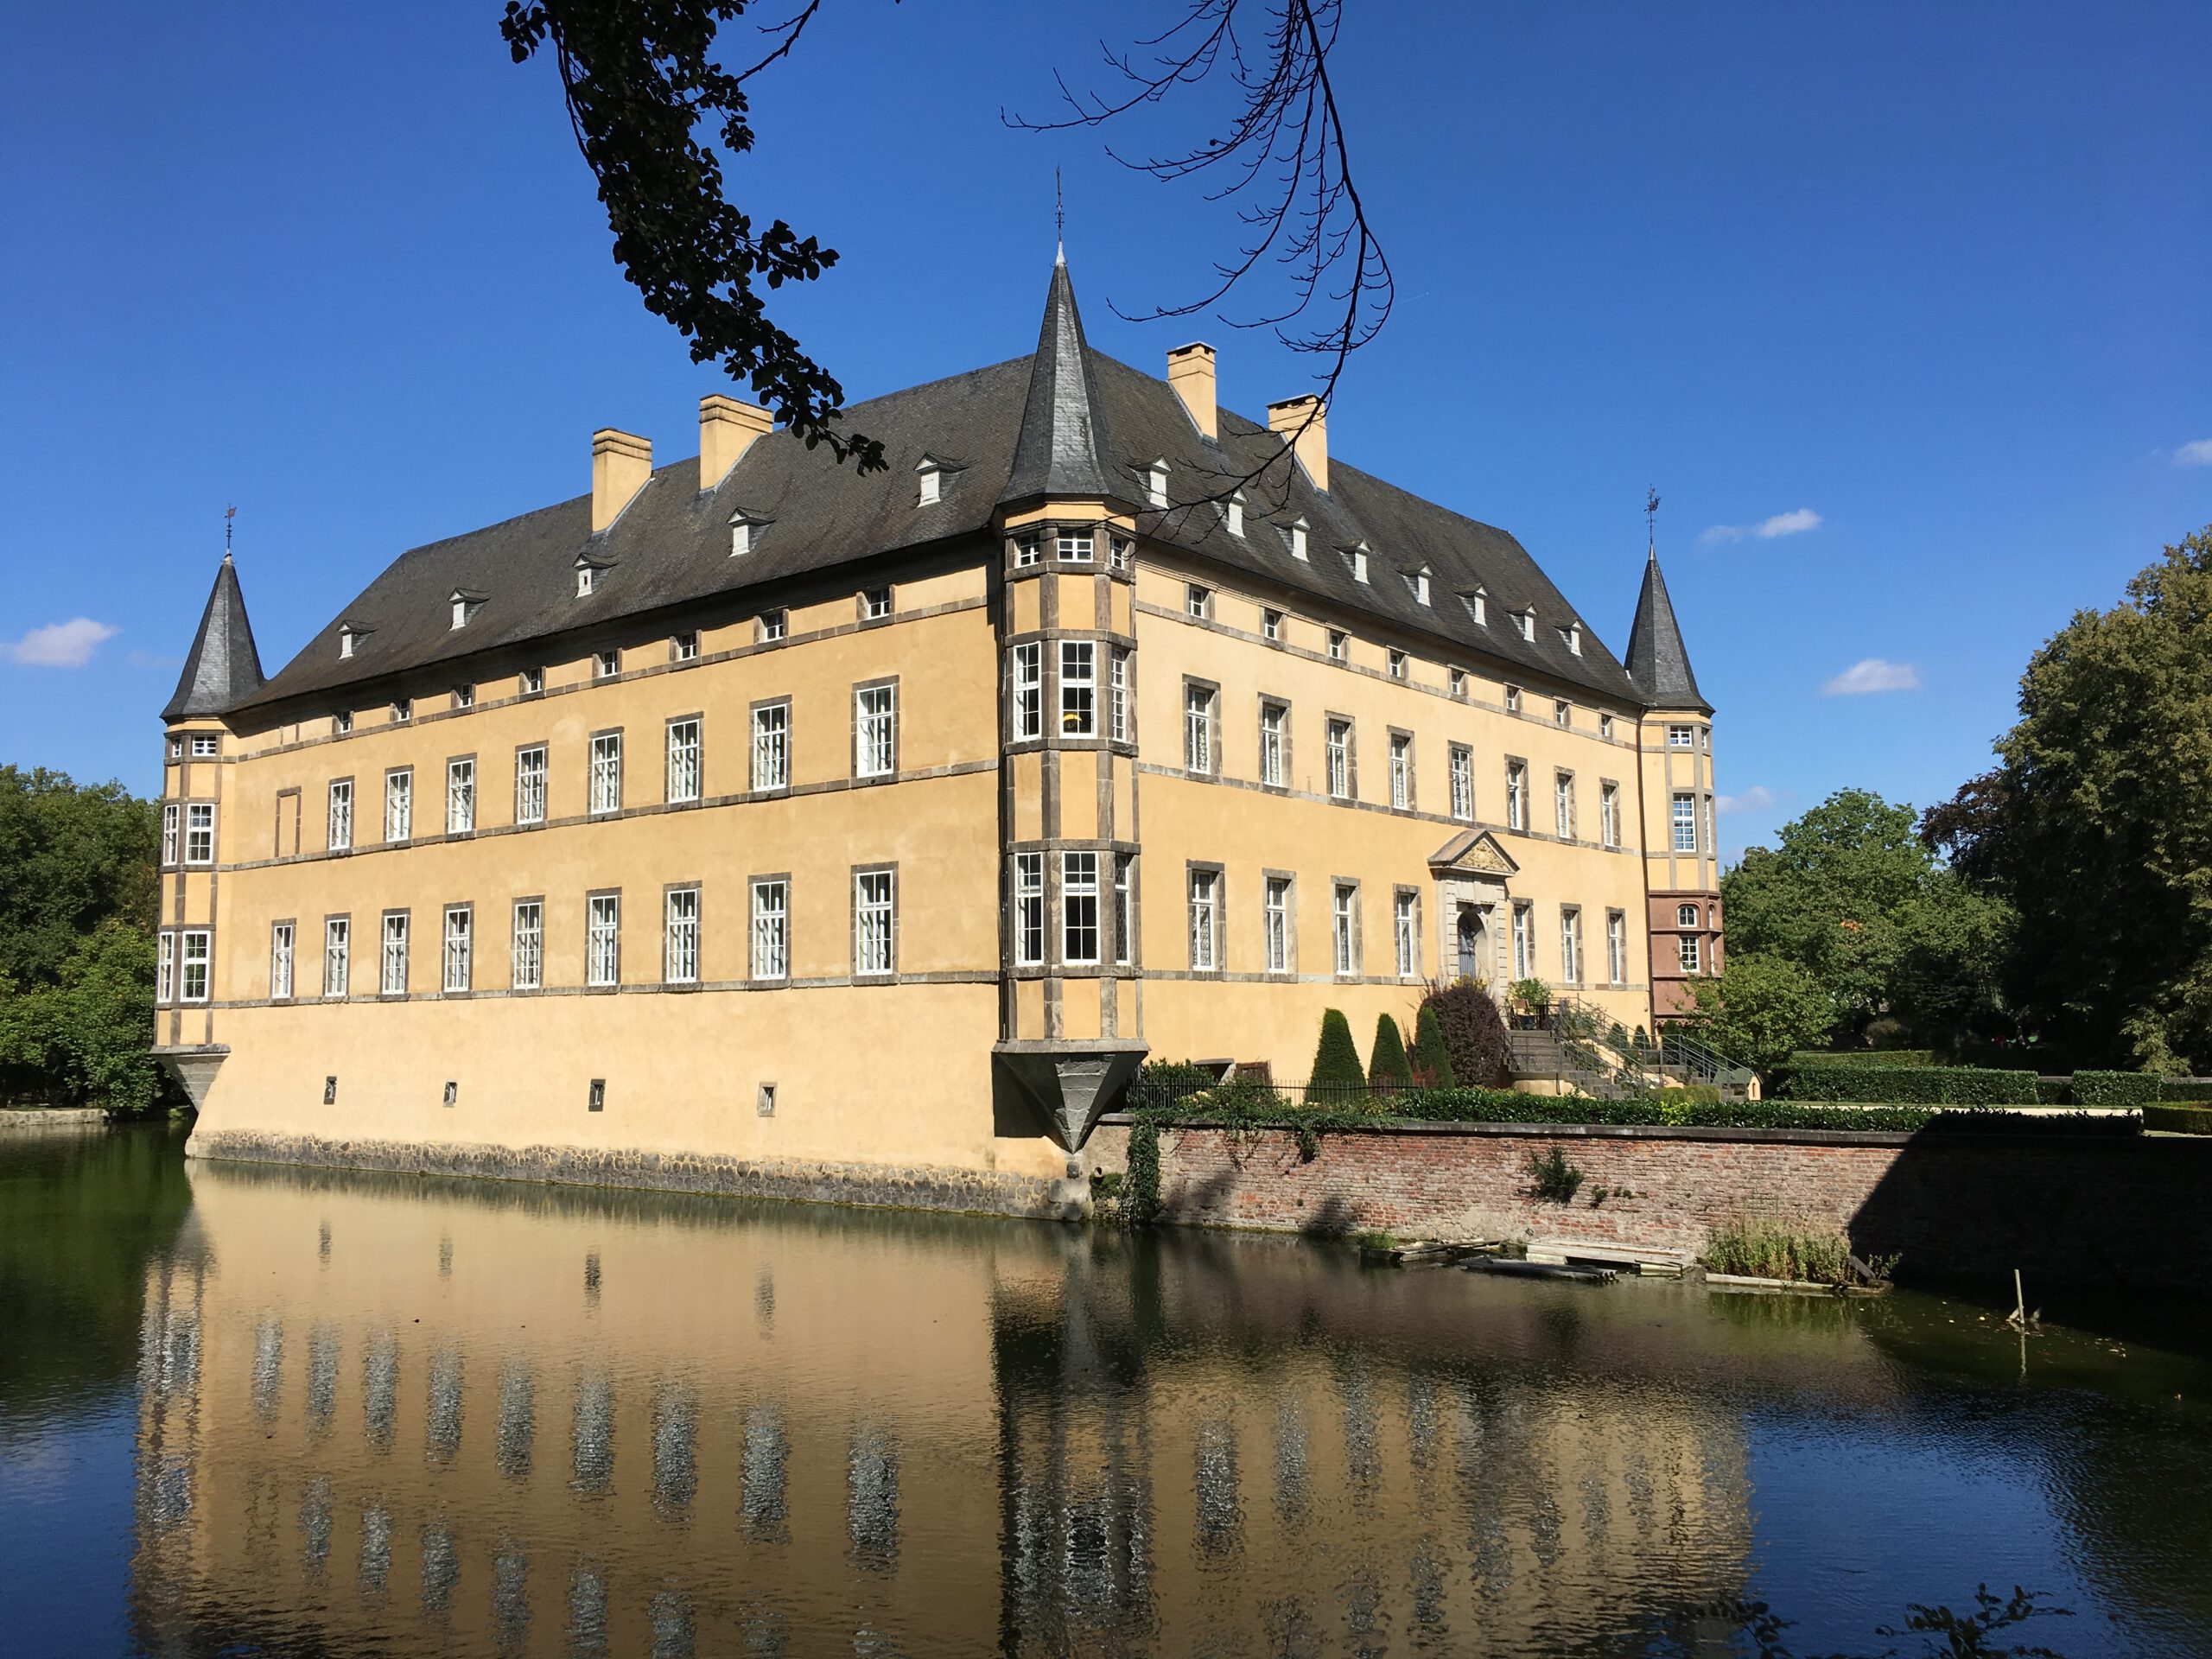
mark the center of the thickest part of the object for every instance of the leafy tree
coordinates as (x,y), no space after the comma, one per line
(1336,1061)
(85,1037)
(2097,828)
(1761,1009)
(70,857)
(1473,1031)
(1432,1059)
(1387,1064)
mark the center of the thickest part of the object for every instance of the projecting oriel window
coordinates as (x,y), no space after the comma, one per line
(530,784)
(1028,909)
(1685,823)
(1681,737)
(1027,550)
(171,822)
(1124,905)
(1688,953)
(875,936)
(1079,908)
(772,746)
(1025,691)
(1073,546)
(1123,727)
(527,968)
(1685,915)
(165,967)
(1078,689)
(205,745)
(200,833)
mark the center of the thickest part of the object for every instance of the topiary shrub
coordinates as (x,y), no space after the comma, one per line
(1473,1032)
(1338,1076)
(2115,1088)
(1388,1067)
(1431,1060)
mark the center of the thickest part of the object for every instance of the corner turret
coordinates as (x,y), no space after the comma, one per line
(223,669)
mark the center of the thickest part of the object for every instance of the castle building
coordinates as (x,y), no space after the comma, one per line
(757,823)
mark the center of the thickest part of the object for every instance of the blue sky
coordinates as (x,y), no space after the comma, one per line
(1902,308)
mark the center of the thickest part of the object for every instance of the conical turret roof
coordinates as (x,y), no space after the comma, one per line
(1657,660)
(223,669)
(1062,443)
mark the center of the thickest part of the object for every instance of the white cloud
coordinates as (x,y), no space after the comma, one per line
(1796,521)
(1870,675)
(2198,454)
(58,644)
(1758,798)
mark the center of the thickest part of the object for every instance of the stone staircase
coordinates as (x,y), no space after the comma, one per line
(1584,1051)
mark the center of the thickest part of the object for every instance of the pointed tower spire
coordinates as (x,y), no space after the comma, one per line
(223,669)
(1062,435)
(1657,660)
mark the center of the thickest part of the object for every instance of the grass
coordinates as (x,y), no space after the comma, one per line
(1762,1249)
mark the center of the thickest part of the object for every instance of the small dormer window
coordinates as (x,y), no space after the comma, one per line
(1478,604)
(1233,513)
(465,607)
(346,637)
(1156,484)
(587,581)
(1528,623)
(1356,561)
(1418,582)
(1298,538)
(744,532)
(1570,637)
(930,473)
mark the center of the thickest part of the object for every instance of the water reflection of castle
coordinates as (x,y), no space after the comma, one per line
(459,1419)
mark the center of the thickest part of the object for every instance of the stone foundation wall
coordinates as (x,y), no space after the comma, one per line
(2063,1209)
(921,1187)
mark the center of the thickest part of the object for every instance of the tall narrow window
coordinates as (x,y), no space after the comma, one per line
(280,962)
(874,917)
(1617,947)
(1197,602)
(200,833)
(772,936)
(1344,927)
(1122,730)
(1609,814)
(1405,933)
(1124,912)
(1524,940)
(1570,945)
(1272,768)
(1028,909)
(460,948)
(460,798)
(1027,550)
(1339,646)
(530,784)
(1711,841)
(603,939)
(1463,782)
(875,727)
(341,815)
(1402,771)
(1605,727)
(684,760)
(1688,947)
(194,956)
(772,746)
(1562,712)
(1278,924)
(1197,728)
(1398,665)
(165,967)
(398,805)
(1025,687)
(1206,920)
(1563,803)
(1078,689)
(1271,626)
(1686,823)
(394,980)
(607,772)
(1512,699)
(337,955)
(1341,760)
(680,942)
(528,967)
(1079,907)
(1516,795)
(170,828)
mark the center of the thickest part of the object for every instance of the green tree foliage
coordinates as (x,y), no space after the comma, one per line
(2097,824)
(1761,1009)
(1336,1061)
(1432,1059)
(1387,1062)
(1474,1033)
(83,1038)
(1853,898)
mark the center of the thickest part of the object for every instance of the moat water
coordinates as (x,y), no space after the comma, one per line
(260,1410)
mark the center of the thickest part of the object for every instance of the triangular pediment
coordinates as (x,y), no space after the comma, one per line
(1472,852)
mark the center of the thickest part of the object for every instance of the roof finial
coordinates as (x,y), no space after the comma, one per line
(229,515)
(1059,222)
(1651,521)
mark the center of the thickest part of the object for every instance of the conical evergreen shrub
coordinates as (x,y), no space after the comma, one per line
(1474,1033)
(1388,1065)
(1337,1077)
(1432,1059)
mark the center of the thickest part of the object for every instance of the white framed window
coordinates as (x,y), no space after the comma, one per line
(342,722)
(587,581)
(1685,823)
(1078,689)
(1232,513)
(1711,840)
(1402,771)
(680,937)
(1197,728)
(464,697)
(460,948)
(684,647)
(1205,921)
(1478,604)
(1681,737)
(172,816)
(931,479)
(1025,691)
(1296,535)
(346,640)
(1028,909)
(531,682)
(1573,635)
(875,730)
(772,746)
(1609,814)
(773,626)
(527,966)
(1079,907)
(337,955)
(1356,561)
(1274,763)
(195,954)
(1685,915)
(1516,795)
(1617,947)
(1339,646)
(1344,927)
(772,929)
(1463,782)
(460,796)
(1563,804)
(393,980)
(606,777)
(1074,546)
(1458,681)
(1405,933)
(1688,948)
(1027,550)
(1570,944)
(1526,622)
(685,769)
(165,967)
(1124,906)
(530,784)
(1197,602)
(1397,662)
(1605,727)
(398,805)
(1512,699)
(1122,730)
(603,939)
(1339,760)
(1276,916)
(1155,486)
(876,603)
(1417,584)
(876,916)
(199,832)
(177,748)
(1562,712)
(281,936)
(1271,625)
(606,665)
(1120,552)
(1524,940)
(403,710)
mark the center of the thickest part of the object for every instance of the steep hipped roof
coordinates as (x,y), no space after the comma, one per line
(1657,660)
(1065,422)
(223,669)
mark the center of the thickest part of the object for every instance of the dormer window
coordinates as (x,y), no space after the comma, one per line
(587,581)
(744,531)
(1232,513)
(1356,561)
(1527,621)
(1478,604)
(1296,535)
(1417,584)
(1570,637)
(1156,485)
(347,639)
(465,607)
(931,474)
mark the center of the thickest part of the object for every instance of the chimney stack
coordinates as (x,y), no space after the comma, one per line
(1312,444)
(1190,371)
(727,429)
(620,464)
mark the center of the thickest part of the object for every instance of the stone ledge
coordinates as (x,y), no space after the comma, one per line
(888,1186)
(54,1117)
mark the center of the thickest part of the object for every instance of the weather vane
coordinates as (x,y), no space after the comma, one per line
(1059,217)
(1651,515)
(229,514)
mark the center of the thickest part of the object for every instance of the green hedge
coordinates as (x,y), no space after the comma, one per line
(2053,1092)
(2186,1089)
(1918,1085)
(2115,1088)
(1864,1056)
(2178,1120)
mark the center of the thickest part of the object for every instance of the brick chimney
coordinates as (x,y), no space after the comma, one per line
(620,464)
(727,429)
(1312,444)
(1190,371)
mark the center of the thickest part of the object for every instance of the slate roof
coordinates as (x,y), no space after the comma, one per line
(1657,660)
(1065,421)
(222,670)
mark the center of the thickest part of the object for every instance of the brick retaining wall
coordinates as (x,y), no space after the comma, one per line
(2063,1209)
